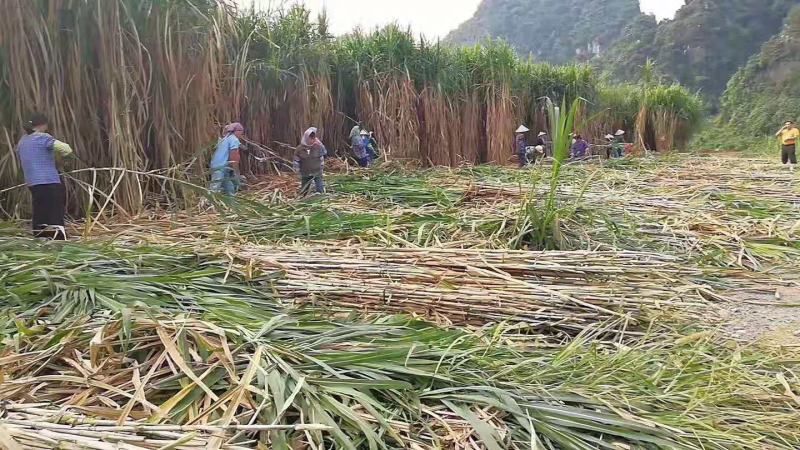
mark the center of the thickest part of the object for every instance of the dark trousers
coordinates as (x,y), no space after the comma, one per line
(523,159)
(307,181)
(48,210)
(789,154)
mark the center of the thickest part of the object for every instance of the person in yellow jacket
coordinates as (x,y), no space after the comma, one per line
(789,135)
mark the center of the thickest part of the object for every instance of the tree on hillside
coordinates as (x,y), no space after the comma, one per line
(558,32)
(706,43)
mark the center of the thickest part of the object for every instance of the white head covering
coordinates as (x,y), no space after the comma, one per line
(364,133)
(306,139)
(522,129)
(354,131)
(609,136)
(619,133)
(539,148)
(542,133)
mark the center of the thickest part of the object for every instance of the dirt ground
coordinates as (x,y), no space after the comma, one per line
(763,317)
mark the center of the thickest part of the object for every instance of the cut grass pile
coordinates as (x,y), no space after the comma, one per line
(721,212)
(270,323)
(205,348)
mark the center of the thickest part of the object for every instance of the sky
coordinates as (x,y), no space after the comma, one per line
(433,18)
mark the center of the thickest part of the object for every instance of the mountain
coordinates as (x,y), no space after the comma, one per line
(766,91)
(702,47)
(555,31)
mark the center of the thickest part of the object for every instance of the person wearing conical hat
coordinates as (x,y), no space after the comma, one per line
(541,141)
(618,144)
(366,141)
(521,145)
(609,144)
(359,149)
(373,146)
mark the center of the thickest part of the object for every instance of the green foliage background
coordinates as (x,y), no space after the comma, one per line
(764,93)
(553,31)
(706,43)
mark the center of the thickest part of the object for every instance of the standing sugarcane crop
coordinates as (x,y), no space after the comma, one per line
(225,162)
(36,152)
(309,161)
(789,135)
(521,145)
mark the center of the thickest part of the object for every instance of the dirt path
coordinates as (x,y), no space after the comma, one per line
(764,317)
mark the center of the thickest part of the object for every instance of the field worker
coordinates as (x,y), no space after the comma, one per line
(360,149)
(521,145)
(579,147)
(309,161)
(367,144)
(36,151)
(534,153)
(789,135)
(618,144)
(541,140)
(366,140)
(372,148)
(609,145)
(355,138)
(225,161)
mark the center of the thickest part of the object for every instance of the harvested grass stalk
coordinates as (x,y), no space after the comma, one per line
(551,292)
(392,382)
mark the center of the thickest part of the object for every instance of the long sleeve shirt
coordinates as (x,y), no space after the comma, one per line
(309,160)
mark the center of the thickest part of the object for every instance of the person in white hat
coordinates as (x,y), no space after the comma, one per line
(618,144)
(360,148)
(541,141)
(521,145)
(609,145)
(365,151)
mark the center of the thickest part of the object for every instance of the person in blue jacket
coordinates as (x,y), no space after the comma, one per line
(225,161)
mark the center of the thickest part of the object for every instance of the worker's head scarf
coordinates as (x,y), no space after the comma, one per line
(355,131)
(233,127)
(307,140)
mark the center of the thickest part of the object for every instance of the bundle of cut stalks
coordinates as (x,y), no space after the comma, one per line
(39,426)
(556,292)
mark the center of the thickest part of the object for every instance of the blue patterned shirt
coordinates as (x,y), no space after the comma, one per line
(38,161)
